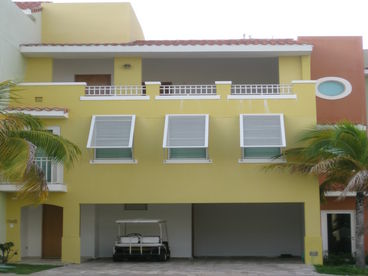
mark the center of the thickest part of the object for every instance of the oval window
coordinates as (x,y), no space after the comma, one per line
(332,88)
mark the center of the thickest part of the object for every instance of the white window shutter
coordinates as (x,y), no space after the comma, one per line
(262,130)
(111,131)
(186,131)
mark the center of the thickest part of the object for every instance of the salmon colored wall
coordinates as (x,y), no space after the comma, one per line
(348,203)
(339,57)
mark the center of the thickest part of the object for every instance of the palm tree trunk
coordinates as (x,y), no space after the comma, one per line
(359,232)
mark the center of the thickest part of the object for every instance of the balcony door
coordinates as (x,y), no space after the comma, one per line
(94,80)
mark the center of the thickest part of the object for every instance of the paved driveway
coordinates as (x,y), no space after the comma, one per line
(223,266)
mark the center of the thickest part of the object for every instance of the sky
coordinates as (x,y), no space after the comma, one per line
(234,19)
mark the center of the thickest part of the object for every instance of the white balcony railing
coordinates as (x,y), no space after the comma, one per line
(54,174)
(187,90)
(261,89)
(53,171)
(121,90)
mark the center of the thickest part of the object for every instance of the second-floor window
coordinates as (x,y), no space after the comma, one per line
(261,136)
(186,137)
(111,137)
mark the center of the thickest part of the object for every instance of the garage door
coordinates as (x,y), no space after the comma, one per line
(248,229)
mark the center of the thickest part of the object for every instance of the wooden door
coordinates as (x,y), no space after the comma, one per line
(52,231)
(93,80)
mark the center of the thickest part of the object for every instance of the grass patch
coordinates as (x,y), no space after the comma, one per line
(26,268)
(340,270)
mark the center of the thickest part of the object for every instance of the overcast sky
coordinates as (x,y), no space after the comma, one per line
(212,19)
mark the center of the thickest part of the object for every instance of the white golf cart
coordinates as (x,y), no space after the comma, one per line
(131,245)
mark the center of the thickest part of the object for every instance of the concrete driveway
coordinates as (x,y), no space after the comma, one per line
(211,266)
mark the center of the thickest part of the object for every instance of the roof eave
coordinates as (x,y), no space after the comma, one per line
(60,51)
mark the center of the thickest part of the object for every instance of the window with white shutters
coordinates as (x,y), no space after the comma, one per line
(261,135)
(111,137)
(186,136)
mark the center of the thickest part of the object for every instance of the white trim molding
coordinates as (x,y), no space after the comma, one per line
(15,188)
(261,161)
(152,82)
(303,81)
(113,161)
(191,97)
(223,82)
(339,193)
(114,98)
(262,97)
(343,94)
(47,114)
(187,161)
(68,51)
(52,84)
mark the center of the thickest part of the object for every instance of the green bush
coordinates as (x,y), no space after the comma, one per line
(6,252)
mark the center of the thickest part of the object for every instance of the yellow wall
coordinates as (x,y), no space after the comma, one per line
(152,181)
(89,23)
(289,69)
(127,76)
(38,70)
(306,67)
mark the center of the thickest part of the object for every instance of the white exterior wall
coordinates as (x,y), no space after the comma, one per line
(178,217)
(207,71)
(88,230)
(31,231)
(248,229)
(65,69)
(15,28)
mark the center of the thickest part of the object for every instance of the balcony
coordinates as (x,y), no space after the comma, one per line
(187,90)
(192,91)
(116,91)
(53,173)
(261,89)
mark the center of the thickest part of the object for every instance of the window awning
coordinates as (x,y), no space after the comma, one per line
(186,131)
(262,130)
(111,131)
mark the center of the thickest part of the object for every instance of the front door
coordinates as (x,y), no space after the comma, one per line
(52,231)
(339,233)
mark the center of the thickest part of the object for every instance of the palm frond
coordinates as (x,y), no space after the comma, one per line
(54,146)
(34,185)
(7,93)
(338,154)
(358,182)
(16,158)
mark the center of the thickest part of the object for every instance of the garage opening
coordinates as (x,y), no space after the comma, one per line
(267,230)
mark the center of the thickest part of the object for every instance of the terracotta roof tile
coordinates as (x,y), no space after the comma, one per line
(26,108)
(33,6)
(222,42)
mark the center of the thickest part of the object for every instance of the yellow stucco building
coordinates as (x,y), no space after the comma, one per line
(175,130)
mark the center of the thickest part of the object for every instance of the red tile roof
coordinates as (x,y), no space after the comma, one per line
(33,6)
(27,108)
(217,42)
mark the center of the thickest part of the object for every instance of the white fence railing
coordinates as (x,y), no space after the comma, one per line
(121,90)
(53,171)
(187,90)
(261,89)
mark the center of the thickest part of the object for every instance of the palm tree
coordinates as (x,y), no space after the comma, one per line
(338,155)
(20,136)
